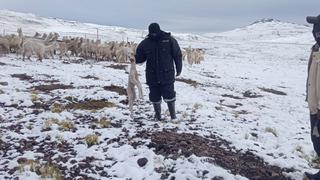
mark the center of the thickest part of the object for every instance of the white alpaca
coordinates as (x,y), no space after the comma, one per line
(15,42)
(184,54)
(190,56)
(133,80)
(122,54)
(37,35)
(33,46)
(74,45)
(84,48)
(63,49)
(44,36)
(104,52)
(30,46)
(51,49)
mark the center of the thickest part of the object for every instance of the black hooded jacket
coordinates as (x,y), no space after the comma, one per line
(160,54)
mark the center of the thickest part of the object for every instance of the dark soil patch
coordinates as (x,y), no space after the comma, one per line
(90,77)
(46,81)
(46,75)
(49,149)
(125,101)
(2,64)
(40,105)
(188,81)
(74,61)
(118,66)
(51,87)
(273,91)
(250,94)
(173,145)
(22,77)
(117,89)
(210,75)
(90,105)
(4,83)
(231,96)
(241,112)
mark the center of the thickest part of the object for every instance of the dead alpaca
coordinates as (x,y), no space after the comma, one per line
(133,81)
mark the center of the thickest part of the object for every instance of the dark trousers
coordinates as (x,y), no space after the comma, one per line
(315,123)
(166,91)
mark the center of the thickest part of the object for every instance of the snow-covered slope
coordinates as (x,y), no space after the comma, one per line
(30,23)
(249,91)
(268,30)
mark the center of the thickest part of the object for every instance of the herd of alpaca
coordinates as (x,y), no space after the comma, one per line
(193,56)
(45,46)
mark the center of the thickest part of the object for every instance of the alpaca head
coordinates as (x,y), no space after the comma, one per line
(37,35)
(19,31)
(44,36)
(132,59)
(55,45)
(130,54)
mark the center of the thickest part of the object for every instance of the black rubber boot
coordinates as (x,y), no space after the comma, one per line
(157,110)
(309,176)
(172,110)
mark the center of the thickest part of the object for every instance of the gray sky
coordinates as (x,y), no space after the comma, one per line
(197,16)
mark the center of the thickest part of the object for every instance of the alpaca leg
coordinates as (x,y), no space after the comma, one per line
(131,107)
(23,55)
(130,99)
(40,57)
(139,90)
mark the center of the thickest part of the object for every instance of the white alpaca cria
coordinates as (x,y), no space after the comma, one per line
(133,80)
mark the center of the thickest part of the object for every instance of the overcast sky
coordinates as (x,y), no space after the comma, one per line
(197,16)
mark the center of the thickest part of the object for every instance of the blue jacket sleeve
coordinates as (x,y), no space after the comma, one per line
(177,55)
(140,56)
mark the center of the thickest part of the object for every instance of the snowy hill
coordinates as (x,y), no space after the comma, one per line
(242,111)
(30,23)
(268,30)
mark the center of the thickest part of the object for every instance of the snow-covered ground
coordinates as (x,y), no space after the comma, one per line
(267,55)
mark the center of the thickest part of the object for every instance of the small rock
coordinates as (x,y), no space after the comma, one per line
(254,134)
(142,162)
(156,125)
(205,172)
(217,178)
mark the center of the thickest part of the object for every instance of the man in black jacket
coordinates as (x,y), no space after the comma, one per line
(162,53)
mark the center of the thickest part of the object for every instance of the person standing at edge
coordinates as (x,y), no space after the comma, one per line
(161,52)
(313,92)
